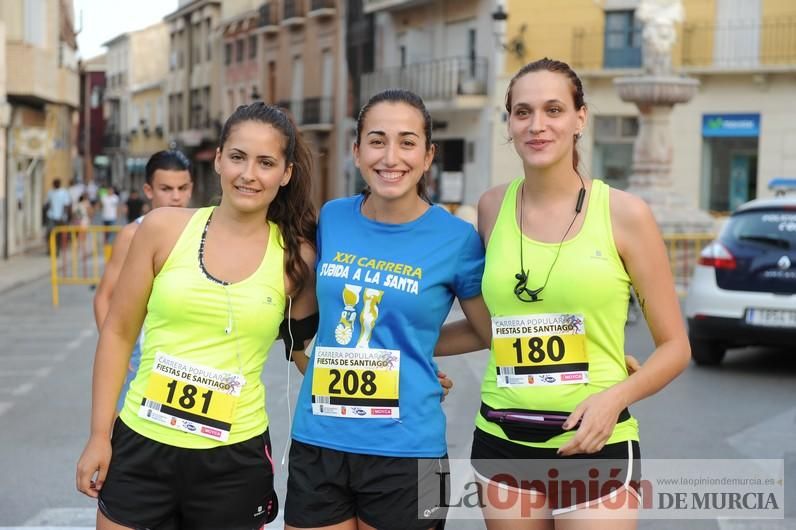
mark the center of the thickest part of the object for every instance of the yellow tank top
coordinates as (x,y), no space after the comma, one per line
(588,285)
(202,336)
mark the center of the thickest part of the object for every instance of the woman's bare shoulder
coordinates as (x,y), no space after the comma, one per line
(488,208)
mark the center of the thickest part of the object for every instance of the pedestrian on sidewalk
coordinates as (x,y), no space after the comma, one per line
(81,218)
(191,447)
(76,189)
(109,202)
(58,208)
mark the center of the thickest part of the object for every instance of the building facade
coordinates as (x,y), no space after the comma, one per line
(42,95)
(300,65)
(137,70)
(93,166)
(728,141)
(5,204)
(148,132)
(117,109)
(192,86)
(147,121)
(442,50)
(241,45)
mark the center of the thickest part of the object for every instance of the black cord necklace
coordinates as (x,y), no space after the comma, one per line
(521,289)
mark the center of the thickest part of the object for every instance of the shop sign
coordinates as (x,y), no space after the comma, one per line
(730,125)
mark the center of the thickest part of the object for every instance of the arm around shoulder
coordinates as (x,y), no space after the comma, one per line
(302,317)
(475,332)
(469,334)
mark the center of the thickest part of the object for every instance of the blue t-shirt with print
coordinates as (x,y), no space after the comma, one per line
(384,288)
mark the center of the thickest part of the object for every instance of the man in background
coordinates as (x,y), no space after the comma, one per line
(168,183)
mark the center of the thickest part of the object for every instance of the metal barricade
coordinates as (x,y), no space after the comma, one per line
(684,250)
(78,255)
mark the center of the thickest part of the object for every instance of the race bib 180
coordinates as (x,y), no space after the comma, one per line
(543,349)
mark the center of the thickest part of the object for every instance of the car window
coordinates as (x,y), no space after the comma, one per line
(773,227)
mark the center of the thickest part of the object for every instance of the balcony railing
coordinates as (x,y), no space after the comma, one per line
(441,79)
(737,45)
(741,44)
(309,111)
(317,5)
(371,6)
(293,9)
(317,111)
(594,48)
(267,15)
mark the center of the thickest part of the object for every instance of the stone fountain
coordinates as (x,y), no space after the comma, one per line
(655,92)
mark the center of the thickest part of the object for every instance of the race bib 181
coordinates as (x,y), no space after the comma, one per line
(191,397)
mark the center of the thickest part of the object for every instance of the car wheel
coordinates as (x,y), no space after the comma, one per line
(706,352)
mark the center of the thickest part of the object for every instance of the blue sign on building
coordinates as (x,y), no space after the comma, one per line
(730,125)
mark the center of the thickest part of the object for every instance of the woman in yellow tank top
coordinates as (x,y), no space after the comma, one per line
(191,448)
(562,251)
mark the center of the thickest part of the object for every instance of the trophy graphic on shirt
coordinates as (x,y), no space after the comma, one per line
(370,312)
(344,331)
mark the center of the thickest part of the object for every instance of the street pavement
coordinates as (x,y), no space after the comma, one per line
(45,381)
(23,269)
(744,409)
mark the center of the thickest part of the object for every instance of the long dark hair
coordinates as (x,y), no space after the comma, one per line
(170,160)
(558,67)
(292,209)
(399,95)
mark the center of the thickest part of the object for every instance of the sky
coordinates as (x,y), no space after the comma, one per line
(104,20)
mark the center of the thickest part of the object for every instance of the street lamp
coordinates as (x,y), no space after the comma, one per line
(516,45)
(499,15)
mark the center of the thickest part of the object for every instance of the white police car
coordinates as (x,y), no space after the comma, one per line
(743,291)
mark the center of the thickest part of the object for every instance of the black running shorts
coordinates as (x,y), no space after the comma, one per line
(158,486)
(327,487)
(568,482)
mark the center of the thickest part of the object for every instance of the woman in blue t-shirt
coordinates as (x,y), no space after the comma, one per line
(369,446)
